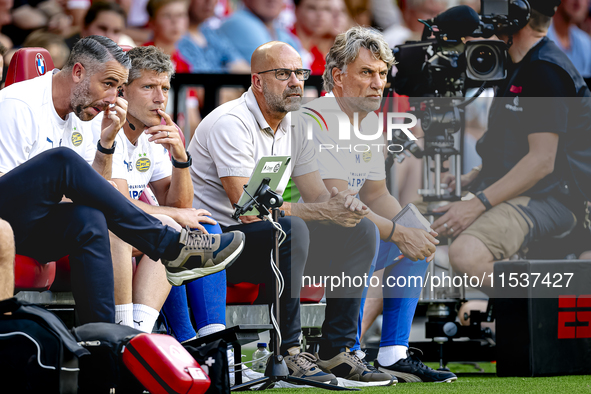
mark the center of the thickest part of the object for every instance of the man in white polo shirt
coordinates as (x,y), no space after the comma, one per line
(142,159)
(328,231)
(355,77)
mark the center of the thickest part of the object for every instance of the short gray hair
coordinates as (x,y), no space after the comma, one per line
(346,49)
(151,59)
(94,51)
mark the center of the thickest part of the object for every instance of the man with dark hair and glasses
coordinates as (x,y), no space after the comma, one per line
(329,230)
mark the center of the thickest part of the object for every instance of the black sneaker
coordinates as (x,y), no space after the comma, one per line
(412,369)
(202,255)
(349,366)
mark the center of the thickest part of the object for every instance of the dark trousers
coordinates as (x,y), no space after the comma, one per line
(317,249)
(46,229)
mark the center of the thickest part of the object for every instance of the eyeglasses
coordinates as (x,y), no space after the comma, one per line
(283,74)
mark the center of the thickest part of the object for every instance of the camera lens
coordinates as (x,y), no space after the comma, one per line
(483,60)
(486,60)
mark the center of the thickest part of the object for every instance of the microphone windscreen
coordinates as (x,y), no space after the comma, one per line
(458,21)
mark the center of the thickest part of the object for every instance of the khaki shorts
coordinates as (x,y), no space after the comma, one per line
(511,226)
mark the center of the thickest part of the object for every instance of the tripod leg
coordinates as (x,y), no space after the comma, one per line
(248,385)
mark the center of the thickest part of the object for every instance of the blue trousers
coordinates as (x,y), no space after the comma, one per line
(46,229)
(400,302)
(320,248)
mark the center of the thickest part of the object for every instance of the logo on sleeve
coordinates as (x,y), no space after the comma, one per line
(515,107)
(516,89)
(76,138)
(143,163)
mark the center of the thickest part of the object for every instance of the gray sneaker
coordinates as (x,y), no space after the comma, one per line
(303,365)
(202,255)
(348,366)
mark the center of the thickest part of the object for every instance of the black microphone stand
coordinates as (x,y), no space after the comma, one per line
(263,200)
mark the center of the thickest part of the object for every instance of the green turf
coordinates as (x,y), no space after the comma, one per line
(473,384)
(559,384)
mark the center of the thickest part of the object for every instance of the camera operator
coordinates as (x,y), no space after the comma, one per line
(535,156)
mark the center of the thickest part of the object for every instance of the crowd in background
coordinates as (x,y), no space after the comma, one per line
(219,36)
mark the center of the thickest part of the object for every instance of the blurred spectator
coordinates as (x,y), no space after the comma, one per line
(105,19)
(55,44)
(341,20)
(359,11)
(5,19)
(255,24)
(137,20)
(412,11)
(3,51)
(574,42)
(385,13)
(30,15)
(169,19)
(206,49)
(77,9)
(313,22)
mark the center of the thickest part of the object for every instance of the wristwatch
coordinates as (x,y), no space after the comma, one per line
(180,164)
(104,150)
(480,195)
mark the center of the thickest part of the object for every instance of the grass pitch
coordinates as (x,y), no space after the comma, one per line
(558,384)
(479,383)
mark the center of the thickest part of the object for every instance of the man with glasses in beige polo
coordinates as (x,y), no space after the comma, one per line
(328,231)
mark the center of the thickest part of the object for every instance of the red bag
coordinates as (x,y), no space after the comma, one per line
(162,365)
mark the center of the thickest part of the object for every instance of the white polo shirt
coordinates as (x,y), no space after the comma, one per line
(230,141)
(355,160)
(30,125)
(139,164)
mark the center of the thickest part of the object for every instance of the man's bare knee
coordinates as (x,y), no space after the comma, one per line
(467,253)
(6,260)
(6,239)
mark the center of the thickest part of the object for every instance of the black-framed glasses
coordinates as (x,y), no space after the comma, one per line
(283,74)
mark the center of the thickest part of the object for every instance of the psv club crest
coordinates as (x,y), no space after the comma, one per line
(41,65)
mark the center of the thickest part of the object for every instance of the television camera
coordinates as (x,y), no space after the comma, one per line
(437,71)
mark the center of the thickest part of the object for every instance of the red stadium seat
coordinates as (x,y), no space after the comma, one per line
(30,275)
(311,294)
(28,63)
(62,275)
(241,293)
